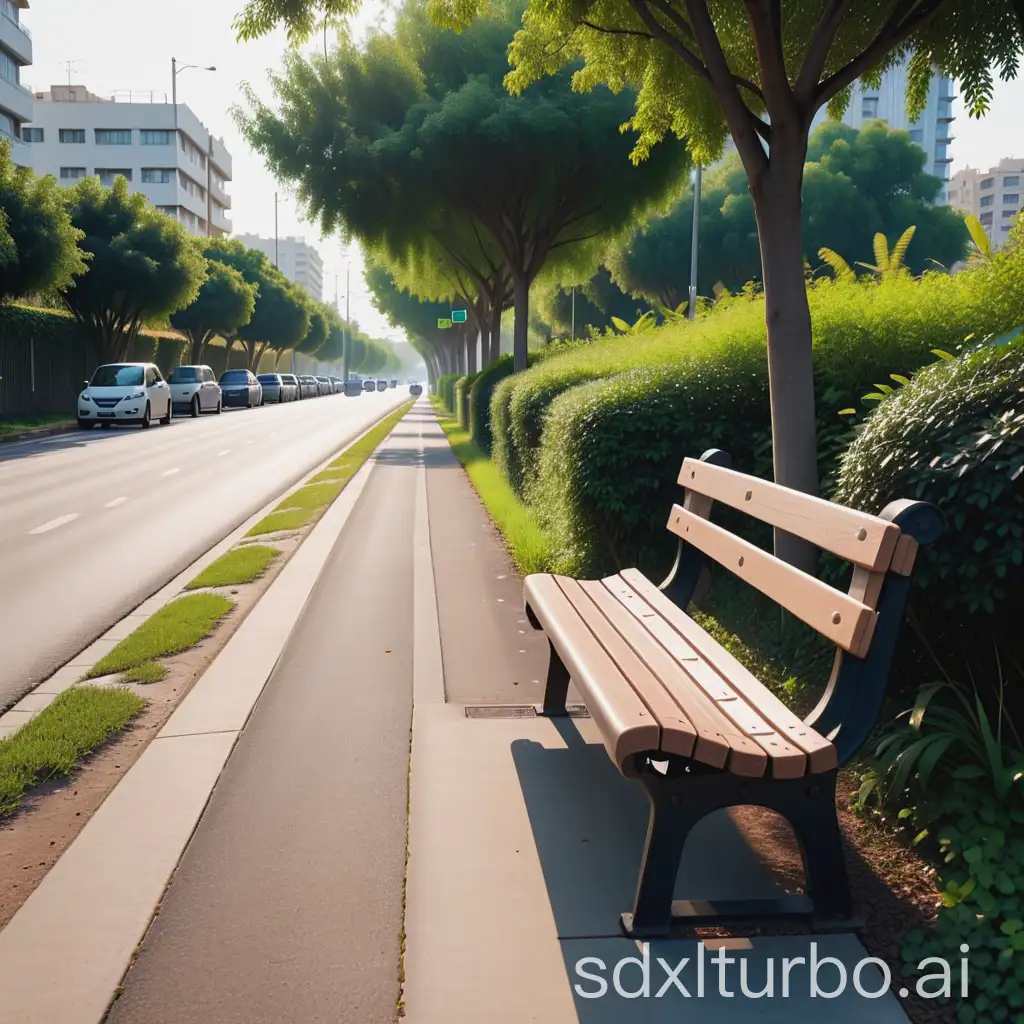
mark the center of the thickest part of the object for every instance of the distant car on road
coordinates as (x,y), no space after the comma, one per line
(415,389)
(240,387)
(274,388)
(125,393)
(324,386)
(308,386)
(393,383)
(382,385)
(291,385)
(369,385)
(337,385)
(353,387)
(194,389)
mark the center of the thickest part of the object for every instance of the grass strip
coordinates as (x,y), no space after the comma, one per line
(50,745)
(31,422)
(147,672)
(240,565)
(307,503)
(527,542)
(176,627)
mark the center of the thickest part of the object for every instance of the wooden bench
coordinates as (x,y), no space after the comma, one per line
(681,715)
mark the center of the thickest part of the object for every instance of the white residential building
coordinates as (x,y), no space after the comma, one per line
(294,257)
(931,131)
(993,196)
(165,152)
(15,100)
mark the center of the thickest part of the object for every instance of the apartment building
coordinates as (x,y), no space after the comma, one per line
(295,258)
(15,100)
(165,152)
(993,196)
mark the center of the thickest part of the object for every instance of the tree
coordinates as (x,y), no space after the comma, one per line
(224,304)
(280,316)
(321,320)
(38,243)
(142,265)
(540,175)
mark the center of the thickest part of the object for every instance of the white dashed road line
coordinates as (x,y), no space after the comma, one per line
(54,523)
(170,472)
(115,502)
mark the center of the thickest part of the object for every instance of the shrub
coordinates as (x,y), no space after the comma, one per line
(462,392)
(446,390)
(480,400)
(955,436)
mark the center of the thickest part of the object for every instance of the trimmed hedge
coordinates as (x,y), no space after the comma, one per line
(597,459)
(480,400)
(462,392)
(446,390)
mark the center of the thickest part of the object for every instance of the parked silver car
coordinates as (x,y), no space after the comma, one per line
(324,385)
(292,382)
(308,387)
(275,389)
(194,389)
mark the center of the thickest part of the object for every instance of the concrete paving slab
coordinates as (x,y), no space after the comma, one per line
(13,720)
(96,650)
(125,627)
(33,702)
(60,681)
(84,921)
(524,848)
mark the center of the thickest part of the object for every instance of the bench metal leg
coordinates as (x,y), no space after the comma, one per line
(557,687)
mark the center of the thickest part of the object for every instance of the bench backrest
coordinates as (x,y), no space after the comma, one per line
(874,545)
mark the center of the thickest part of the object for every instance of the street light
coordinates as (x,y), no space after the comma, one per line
(692,308)
(175,71)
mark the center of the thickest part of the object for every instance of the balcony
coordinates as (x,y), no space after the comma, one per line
(16,99)
(16,38)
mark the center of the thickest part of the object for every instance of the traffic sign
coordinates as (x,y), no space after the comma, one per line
(442,323)
(458,316)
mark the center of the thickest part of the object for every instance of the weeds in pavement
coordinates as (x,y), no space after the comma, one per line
(176,627)
(50,745)
(240,565)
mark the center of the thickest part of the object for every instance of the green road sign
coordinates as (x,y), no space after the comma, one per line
(458,316)
(442,323)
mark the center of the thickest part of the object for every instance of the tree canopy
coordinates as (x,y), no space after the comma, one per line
(38,243)
(225,302)
(142,264)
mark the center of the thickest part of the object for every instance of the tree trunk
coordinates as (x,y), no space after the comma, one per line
(777,207)
(521,299)
(494,341)
(470,337)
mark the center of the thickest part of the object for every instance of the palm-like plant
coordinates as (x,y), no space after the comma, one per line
(645,323)
(981,244)
(887,264)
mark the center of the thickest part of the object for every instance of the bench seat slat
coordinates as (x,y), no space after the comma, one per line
(712,746)
(837,616)
(755,740)
(821,753)
(626,724)
(678,734)
(863,539)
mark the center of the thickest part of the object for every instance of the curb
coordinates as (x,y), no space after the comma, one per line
(34,432)
(69,674)
(93,908)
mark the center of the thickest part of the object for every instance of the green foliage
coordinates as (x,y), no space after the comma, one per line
(480,399)
(593,438)
(224,304)
(38,244)
(143,265)
(461,397)
(446,390)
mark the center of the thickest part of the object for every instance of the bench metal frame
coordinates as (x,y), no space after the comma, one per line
(681,791)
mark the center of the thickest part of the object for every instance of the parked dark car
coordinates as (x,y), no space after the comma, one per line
(353,387)
(274,388)
(393,383)
(291,384)
(369,385)
(240,387)
(337,385)
(309,386)
(415,389)
(382,385)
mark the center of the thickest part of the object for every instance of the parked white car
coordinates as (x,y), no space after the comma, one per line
(194,389)
(125,393)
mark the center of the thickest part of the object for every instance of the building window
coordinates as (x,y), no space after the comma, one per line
(869,107)
(1011,179)
(113,137)
(917,136)
(32,134)
(986,219)
(72,135)
(987,183)
(157,137)
(72,173)
(157,175)
(987,200)
(1009,214)
(1011,198)
(108,174)
(8,67)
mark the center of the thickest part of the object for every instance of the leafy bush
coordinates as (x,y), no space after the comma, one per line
(446,390)
(462,392)
(480,398)
(954,435)
(610,449)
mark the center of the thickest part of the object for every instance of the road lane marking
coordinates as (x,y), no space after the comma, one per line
(115,502)
(170,472)
(54,523)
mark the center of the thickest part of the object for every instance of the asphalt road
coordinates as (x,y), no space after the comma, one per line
(93,523)
(286,907)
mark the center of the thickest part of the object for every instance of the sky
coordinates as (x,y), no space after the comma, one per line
(127,45)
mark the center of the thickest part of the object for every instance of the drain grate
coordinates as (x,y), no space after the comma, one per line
(518,711)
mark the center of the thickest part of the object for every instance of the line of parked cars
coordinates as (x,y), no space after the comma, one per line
(138,392)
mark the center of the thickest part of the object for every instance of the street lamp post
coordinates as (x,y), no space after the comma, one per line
(691,311)
(276,254)
(175,71)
